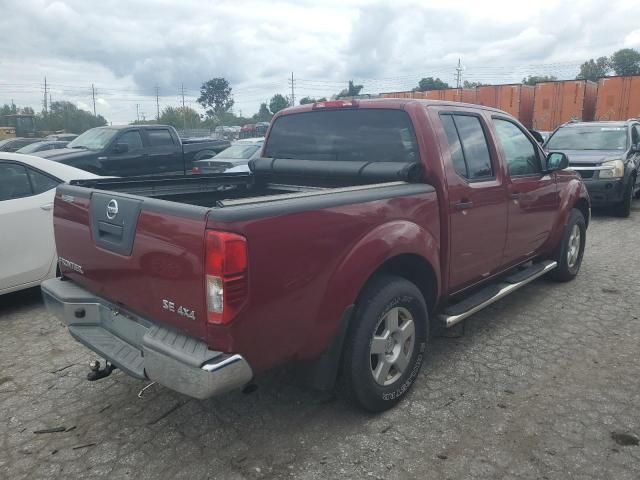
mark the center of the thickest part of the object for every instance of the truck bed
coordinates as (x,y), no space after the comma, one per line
(220,190)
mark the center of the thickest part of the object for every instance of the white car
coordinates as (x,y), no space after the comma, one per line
(27,246)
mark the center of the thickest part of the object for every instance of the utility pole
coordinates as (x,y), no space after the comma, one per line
(138,112)
(93,94)
(459,74)
(157,102)
(45,96)
(293,97)
(184,110)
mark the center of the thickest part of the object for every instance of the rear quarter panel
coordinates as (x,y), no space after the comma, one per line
(306,268)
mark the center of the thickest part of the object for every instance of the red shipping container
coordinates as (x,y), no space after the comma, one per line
(559,102)
(618,98)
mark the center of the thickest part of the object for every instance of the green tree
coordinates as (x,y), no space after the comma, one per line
(277,103)
(533,79)
(263,115)
(215,97)
(352,90)
(430,83)
(626,62)
(594,69)
(468,84)
(307,100)
(180,118)
(67,116)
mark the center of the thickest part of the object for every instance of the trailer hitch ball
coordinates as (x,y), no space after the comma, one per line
(96,373)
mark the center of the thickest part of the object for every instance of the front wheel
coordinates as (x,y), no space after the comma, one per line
(623,209)
(571,249)
(386,344)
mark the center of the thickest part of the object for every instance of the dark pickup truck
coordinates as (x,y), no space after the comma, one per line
(364,227)
(133,150)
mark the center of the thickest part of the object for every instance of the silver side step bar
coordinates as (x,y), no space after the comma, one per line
(504,290)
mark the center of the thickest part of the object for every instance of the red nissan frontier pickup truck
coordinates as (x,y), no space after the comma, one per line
(364,226)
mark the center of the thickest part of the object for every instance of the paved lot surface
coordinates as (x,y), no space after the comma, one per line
(539,387)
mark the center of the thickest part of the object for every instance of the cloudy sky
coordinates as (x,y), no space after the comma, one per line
(126,48)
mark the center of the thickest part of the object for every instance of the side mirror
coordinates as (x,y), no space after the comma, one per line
(557,161)
(121,148)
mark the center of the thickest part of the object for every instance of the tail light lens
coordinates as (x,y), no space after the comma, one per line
(226,275)
(195,170)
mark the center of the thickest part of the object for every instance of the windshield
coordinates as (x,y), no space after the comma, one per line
(238,152)
(372,135)
(94,139)
(589,138)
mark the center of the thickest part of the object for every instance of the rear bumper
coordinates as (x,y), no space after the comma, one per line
(605,192)
(143,349)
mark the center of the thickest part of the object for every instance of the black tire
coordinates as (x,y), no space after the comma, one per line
(623,209)
(567,270)
(383,297)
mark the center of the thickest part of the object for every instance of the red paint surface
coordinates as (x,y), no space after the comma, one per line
(306,268)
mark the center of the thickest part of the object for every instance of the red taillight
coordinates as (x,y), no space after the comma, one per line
(336,104)
(225,275)
(195,170)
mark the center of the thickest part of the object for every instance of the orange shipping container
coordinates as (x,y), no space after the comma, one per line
(516,100)
(434,94)
(559,102)
(487,95)
(398,95)
(618,98)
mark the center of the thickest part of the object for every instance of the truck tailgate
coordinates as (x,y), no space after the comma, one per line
(142,254)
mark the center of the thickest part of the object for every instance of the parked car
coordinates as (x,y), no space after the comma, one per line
(63,137)
(239,153)
(367,224)
(248,131)
(27,247)
(132,150)
(15,144)
(42,146)
(606,155)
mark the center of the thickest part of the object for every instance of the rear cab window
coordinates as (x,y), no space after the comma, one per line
(468,146)
(159,136)
(368,134)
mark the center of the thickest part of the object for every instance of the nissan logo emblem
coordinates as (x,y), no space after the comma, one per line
(112,209)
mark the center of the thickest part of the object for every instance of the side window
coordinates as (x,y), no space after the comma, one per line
(41,183)
(455,148)
(14,182)
(132,138)
(468,146)
(635,134)
(159,137)
(521,155)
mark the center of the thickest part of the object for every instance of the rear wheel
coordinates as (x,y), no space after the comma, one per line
(571,249)
(386,344)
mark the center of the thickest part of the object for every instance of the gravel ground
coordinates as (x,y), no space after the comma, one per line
(542,385)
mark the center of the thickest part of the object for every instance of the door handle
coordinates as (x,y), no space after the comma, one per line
(514,196)
(463,205)
(46,206)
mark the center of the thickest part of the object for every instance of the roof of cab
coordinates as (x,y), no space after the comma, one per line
(399,103)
